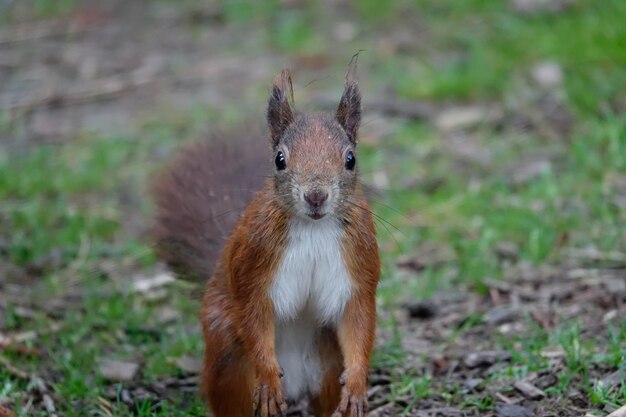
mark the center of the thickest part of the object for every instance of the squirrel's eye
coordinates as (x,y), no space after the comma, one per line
(280,161)
(350,161)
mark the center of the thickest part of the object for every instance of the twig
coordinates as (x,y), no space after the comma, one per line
(504,398)
(35,31)
(28,335)
(100,89)
(495,296)
(105,406)
(443,410)
(529,390)
(374,390)
(48,403)
(19,348)
(104,88)
(380,410)
(29,404)
(620,412)
(12,369)
(81,258)
(594,255)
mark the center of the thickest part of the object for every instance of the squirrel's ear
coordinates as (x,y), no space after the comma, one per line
(279,112)
(349,110)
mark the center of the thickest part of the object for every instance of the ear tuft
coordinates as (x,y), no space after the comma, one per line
(349,110)
(279,111)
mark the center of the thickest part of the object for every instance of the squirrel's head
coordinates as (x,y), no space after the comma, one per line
(315,160)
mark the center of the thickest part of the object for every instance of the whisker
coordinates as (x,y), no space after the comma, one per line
(376,215)
(381,221)
(220,215)
(395,210)
(388,231)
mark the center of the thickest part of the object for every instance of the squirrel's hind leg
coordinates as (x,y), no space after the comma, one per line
(325,402)
(227,379)
(229,391)
(227,385)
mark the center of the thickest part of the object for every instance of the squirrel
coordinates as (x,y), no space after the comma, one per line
(289,309)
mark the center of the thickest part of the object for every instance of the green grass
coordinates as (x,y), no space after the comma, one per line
(63,209)
(488,48)
(11,11)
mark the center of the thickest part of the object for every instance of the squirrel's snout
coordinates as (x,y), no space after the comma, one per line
(316,198)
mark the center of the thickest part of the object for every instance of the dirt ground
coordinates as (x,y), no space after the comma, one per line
(508,347)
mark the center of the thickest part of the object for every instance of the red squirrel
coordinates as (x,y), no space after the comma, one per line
(289,309)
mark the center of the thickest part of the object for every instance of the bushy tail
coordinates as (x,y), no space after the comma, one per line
(200,197)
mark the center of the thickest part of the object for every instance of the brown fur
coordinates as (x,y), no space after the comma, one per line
(241,374)
(200,197)
(325,403)
(239,330)
(357,331)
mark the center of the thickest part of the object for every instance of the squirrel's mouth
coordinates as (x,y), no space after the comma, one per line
(316,215)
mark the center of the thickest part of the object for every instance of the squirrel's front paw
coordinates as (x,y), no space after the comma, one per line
(351,405)
(269,402)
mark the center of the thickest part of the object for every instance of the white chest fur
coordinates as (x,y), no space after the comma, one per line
(310,290)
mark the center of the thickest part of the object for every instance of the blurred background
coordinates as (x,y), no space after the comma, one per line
(494,140)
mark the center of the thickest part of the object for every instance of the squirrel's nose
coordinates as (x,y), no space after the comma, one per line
(316,198)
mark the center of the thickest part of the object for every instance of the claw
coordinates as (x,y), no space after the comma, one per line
(342,378)
(283,408)
(268,403)
(264,401)
(256,399)
(351,405)
(272,409)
